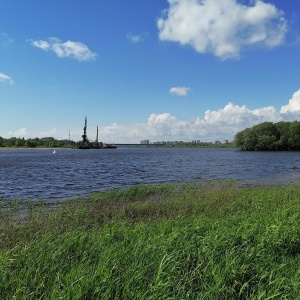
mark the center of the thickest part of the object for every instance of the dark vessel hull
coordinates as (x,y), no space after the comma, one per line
(109,146)
(97,146)
(90,145)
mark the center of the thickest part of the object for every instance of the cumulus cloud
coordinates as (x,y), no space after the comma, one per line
(134,38)
(294,104)
(222,27)
(22,132)
(50,133)
(5,78)
(179,91)
(214,125)
(226,122)
(76,50)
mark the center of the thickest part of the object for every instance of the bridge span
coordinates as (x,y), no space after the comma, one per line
(137,145)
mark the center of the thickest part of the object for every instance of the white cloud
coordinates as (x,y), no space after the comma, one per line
(179,91)
(294,104)
(226,122)
(41,44)
(222,27)
(164,118)
(214,125)
(134,38)
(5,78)
(22,132)
(50,133)
(71,49)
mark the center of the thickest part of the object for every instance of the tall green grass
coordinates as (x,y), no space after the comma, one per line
(215,241)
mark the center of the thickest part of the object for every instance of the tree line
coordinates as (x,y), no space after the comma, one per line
(268,136)
(35,143)
(192,145)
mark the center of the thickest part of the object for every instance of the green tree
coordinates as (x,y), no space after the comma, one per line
(294,135)
(283,130)
(246,139)
(269,136)
(31,143)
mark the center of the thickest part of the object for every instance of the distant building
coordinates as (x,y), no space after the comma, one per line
(145,142)
(48,138)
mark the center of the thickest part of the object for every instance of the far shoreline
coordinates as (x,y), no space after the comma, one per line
(34,148)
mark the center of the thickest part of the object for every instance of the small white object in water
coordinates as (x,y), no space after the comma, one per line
(54,151)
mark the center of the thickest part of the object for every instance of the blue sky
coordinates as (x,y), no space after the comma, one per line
(147,69)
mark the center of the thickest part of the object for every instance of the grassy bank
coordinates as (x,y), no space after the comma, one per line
(155,242)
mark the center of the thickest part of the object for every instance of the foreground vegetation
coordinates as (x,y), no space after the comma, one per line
(281,136)
(154,242)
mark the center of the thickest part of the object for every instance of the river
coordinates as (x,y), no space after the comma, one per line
(40,174)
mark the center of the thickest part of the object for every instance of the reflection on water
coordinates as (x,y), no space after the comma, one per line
(37,174)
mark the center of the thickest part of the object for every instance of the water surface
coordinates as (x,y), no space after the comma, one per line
(34,174)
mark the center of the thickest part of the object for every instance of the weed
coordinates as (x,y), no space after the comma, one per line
(212,241)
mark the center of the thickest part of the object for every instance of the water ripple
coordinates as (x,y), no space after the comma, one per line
(35,174)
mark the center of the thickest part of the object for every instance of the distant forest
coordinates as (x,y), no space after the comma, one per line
(268,136)
(35,143)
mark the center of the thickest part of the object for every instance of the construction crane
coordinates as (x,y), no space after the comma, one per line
(85,143)
(84,136)
(97,136)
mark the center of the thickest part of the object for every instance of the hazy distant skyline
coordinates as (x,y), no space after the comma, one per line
(142,69)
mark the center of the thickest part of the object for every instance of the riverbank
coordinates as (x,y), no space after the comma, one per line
(185,241)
